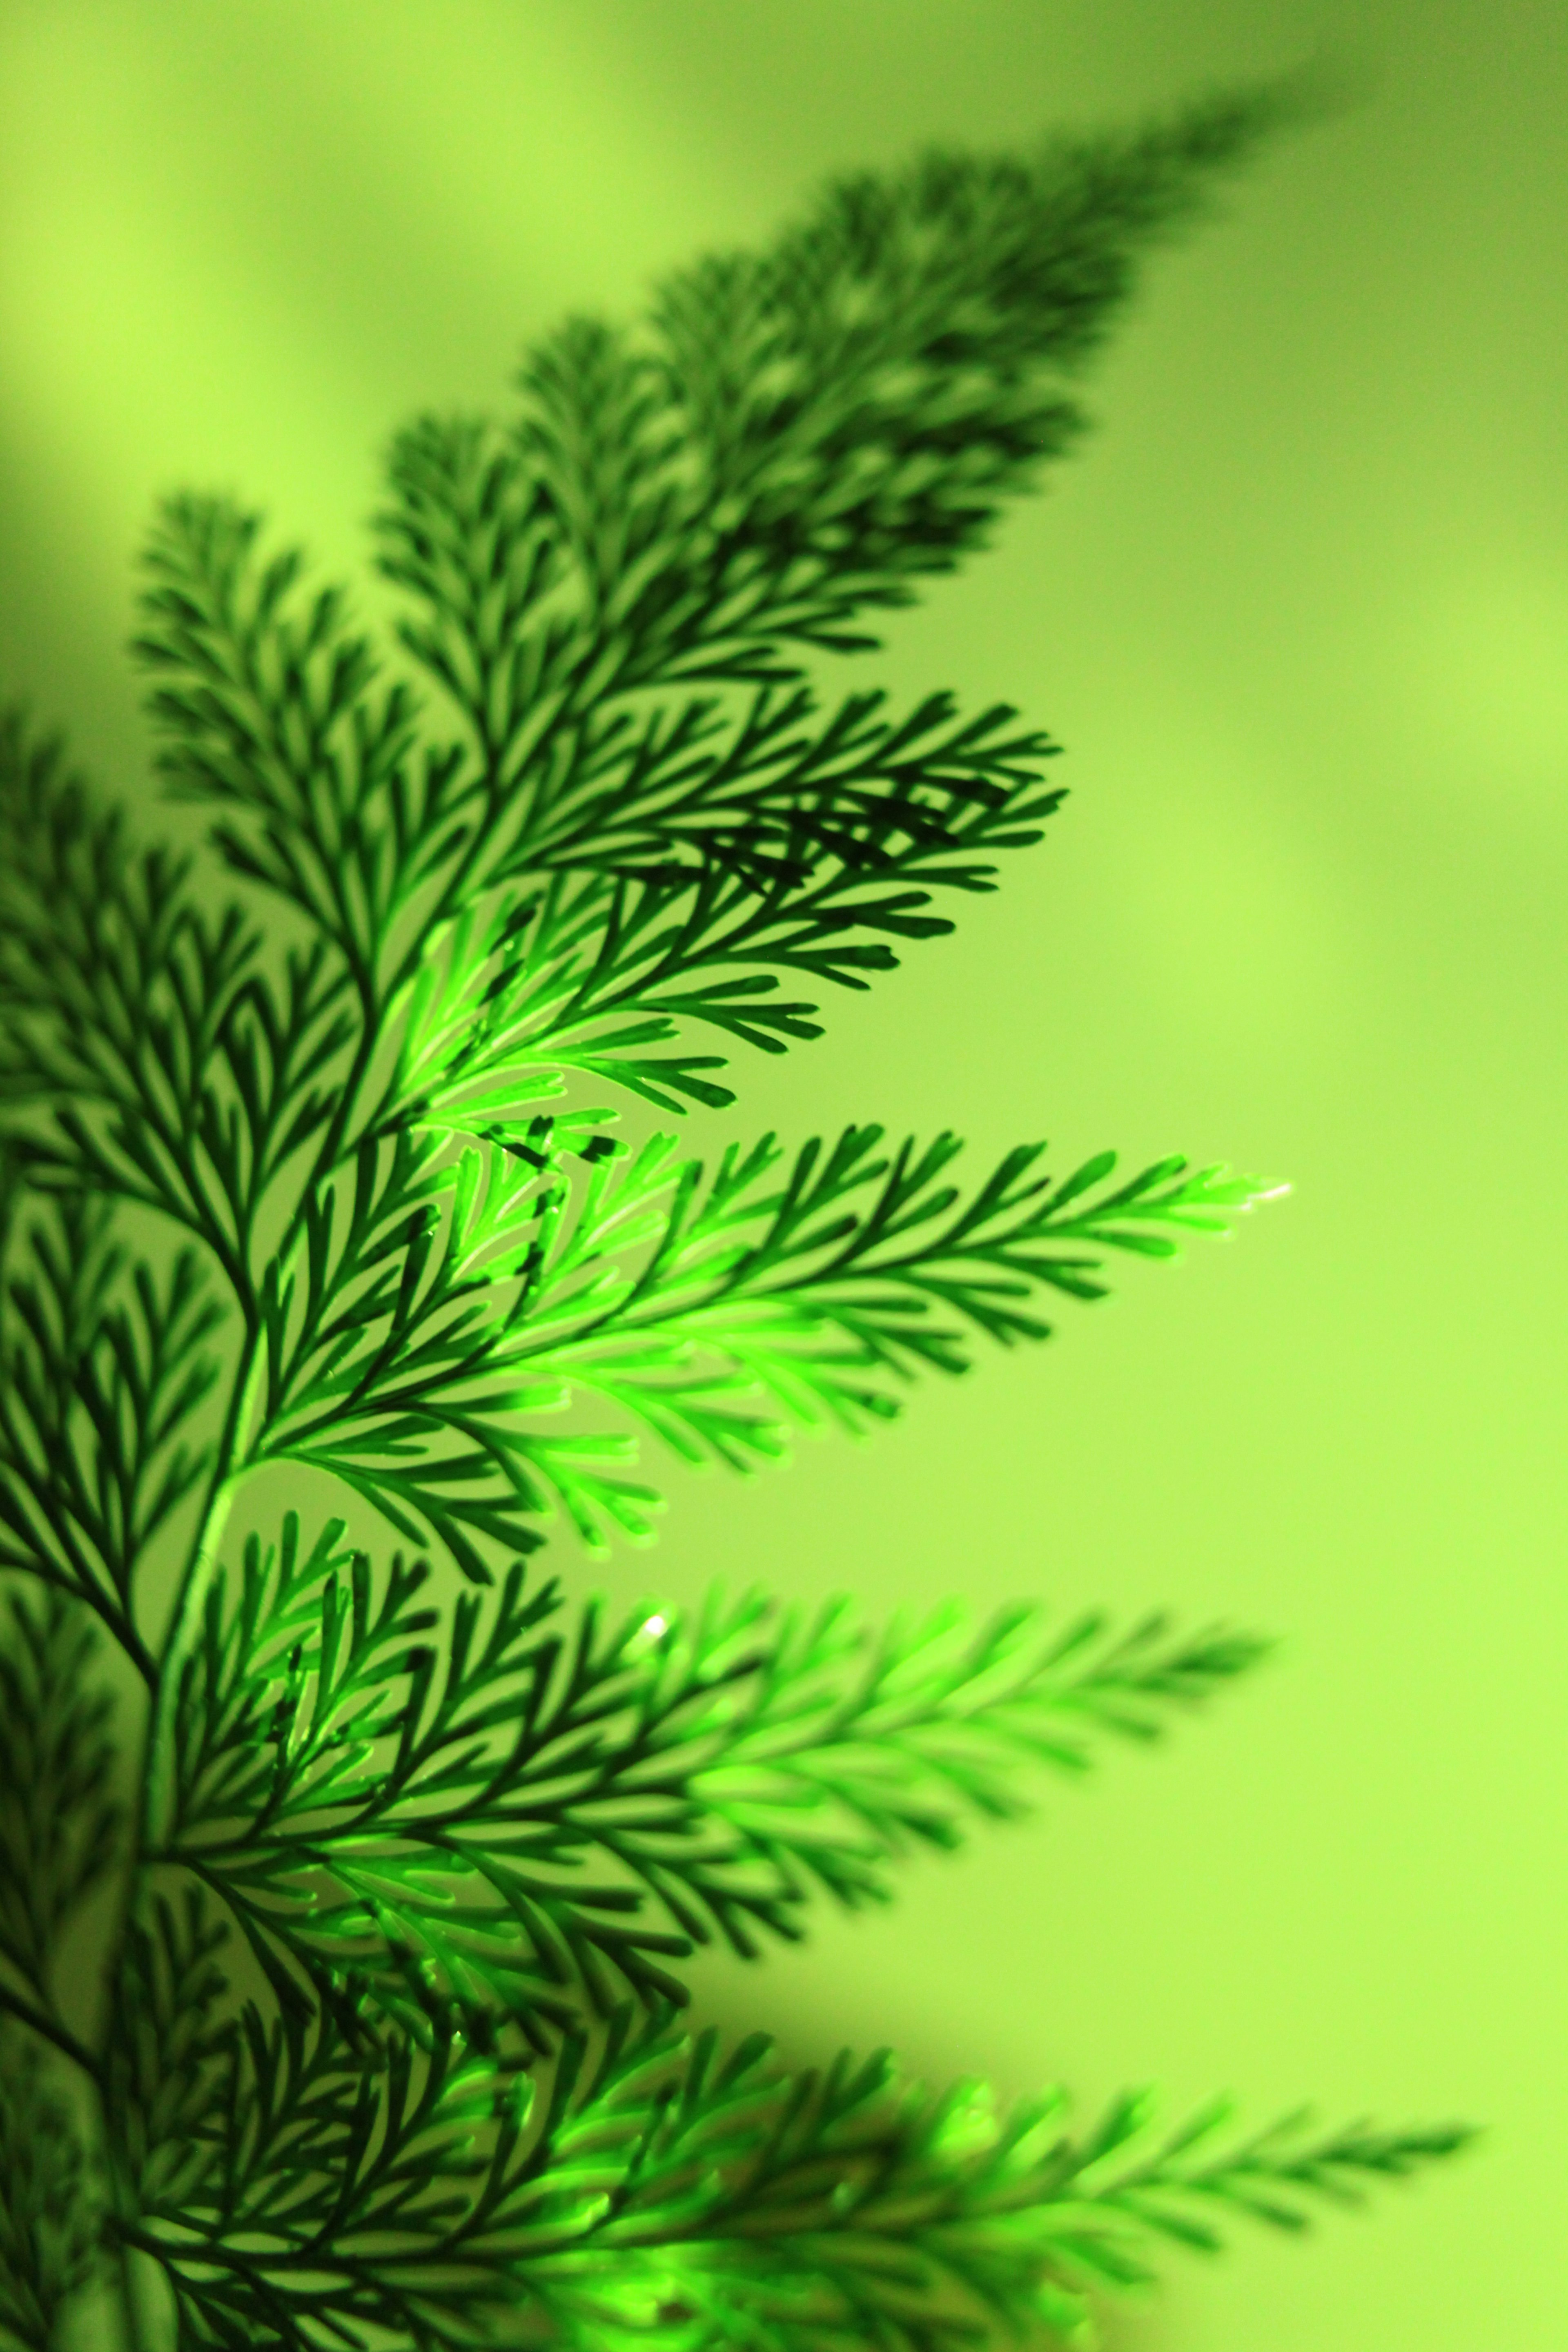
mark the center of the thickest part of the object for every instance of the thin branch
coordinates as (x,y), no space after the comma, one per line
(54,2029)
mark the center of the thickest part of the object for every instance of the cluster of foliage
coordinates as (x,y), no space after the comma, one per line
(391,1882)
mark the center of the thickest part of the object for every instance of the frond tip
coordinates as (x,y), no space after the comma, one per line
(714,1312)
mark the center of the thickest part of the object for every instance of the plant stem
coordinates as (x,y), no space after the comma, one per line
(50,2028)
(221,1487)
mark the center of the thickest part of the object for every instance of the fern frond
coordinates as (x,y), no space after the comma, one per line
(714,1320)
(619,922)
(760,2208)
(267,712)
(172,1074)
(717,1317)
(115,988)
(390,2056)
(816,424)
(764,1277)
(99,1377)
(418,1820)
(650,2183)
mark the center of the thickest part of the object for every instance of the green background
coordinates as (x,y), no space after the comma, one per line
(1298,610)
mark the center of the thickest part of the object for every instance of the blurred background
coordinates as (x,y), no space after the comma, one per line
(1298,609)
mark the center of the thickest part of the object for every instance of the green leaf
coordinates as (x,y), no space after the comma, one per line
(761,1303)
(115,990)
(470,530)
(647,2180)
(390,2054)
(816,423)
(100,1377)
(577,934)
(426,1836)
(714,1318)
(265,710)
